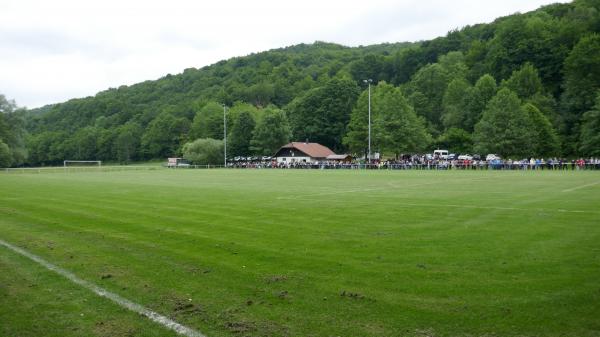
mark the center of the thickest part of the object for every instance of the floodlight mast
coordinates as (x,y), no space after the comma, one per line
(369,81)
(224,136)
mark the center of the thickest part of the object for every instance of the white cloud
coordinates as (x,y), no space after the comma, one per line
(56,50)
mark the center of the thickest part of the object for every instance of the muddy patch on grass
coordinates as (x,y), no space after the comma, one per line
(260,328)
(189,308)
(236,321)
(241,327)
(355,296)
(182,307)
(425,333)
(275,278)
(114,328)
(350,294)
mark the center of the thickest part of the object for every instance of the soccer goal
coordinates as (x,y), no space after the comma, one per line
(82,163)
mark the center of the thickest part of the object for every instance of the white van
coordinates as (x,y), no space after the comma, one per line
(440,154)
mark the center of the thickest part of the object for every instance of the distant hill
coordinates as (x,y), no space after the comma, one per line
(546,57)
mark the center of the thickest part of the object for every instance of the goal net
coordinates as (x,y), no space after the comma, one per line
(82,163)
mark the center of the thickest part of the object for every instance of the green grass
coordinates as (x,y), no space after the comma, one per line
(304,253)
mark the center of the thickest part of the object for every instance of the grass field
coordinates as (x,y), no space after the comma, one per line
(304,253)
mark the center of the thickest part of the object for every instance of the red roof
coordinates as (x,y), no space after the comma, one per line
(314,150)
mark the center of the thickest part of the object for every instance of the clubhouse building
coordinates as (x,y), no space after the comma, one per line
(299,152)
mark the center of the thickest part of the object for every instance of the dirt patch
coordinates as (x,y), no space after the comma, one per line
(352,295)
(240,327)
(276,278)
(182,306)
(114,328)
(425,333)
(187,308)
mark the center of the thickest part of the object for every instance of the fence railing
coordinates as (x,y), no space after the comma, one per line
(73,169)
(427,166)
(302,166)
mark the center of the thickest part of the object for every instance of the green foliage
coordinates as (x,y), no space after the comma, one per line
(545,56)
(164,135)
(454,64)
(590,131)
(322,114)
(127,142)
(204,151)
(371,66)
(260,94)
(544,138)
(532,37)
(582,75)
(356,139)
(477,100)
(12,130)
(427,92)
(241,133)
(396,129)
(401,130)
(456,103)
(525,82)
(83,144)
(208,122)
(5,155)
(456,141)
(272,131)
(505,128)
(47,147)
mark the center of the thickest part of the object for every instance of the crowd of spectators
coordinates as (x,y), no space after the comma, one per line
(494,164)
(421,162)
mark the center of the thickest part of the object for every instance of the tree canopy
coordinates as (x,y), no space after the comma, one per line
(548,58)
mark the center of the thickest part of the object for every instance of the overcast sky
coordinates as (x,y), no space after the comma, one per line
(51,51)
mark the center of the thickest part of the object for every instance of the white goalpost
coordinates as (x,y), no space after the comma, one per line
(82,163)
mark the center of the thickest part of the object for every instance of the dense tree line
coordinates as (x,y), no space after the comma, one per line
(523,85)
(12,133)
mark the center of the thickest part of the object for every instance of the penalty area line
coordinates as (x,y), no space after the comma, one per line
(580,187)
(123,302)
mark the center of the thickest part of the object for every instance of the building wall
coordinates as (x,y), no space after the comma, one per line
(294,159)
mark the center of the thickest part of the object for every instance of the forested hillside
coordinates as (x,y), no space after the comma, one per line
(524,85)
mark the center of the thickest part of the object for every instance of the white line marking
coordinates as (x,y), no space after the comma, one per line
(388,187)
(580,187)
(125,303)
(405,205)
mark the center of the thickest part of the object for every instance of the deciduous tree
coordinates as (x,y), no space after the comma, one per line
(504,128)
(272,131)
(589,143)
(204,151)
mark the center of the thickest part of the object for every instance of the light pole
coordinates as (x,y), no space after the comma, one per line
(224,136)
(369,81)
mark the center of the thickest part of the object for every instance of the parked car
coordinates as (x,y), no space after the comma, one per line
(440,154)
(465,157)
(476,157)
(451,156)
(492,156)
